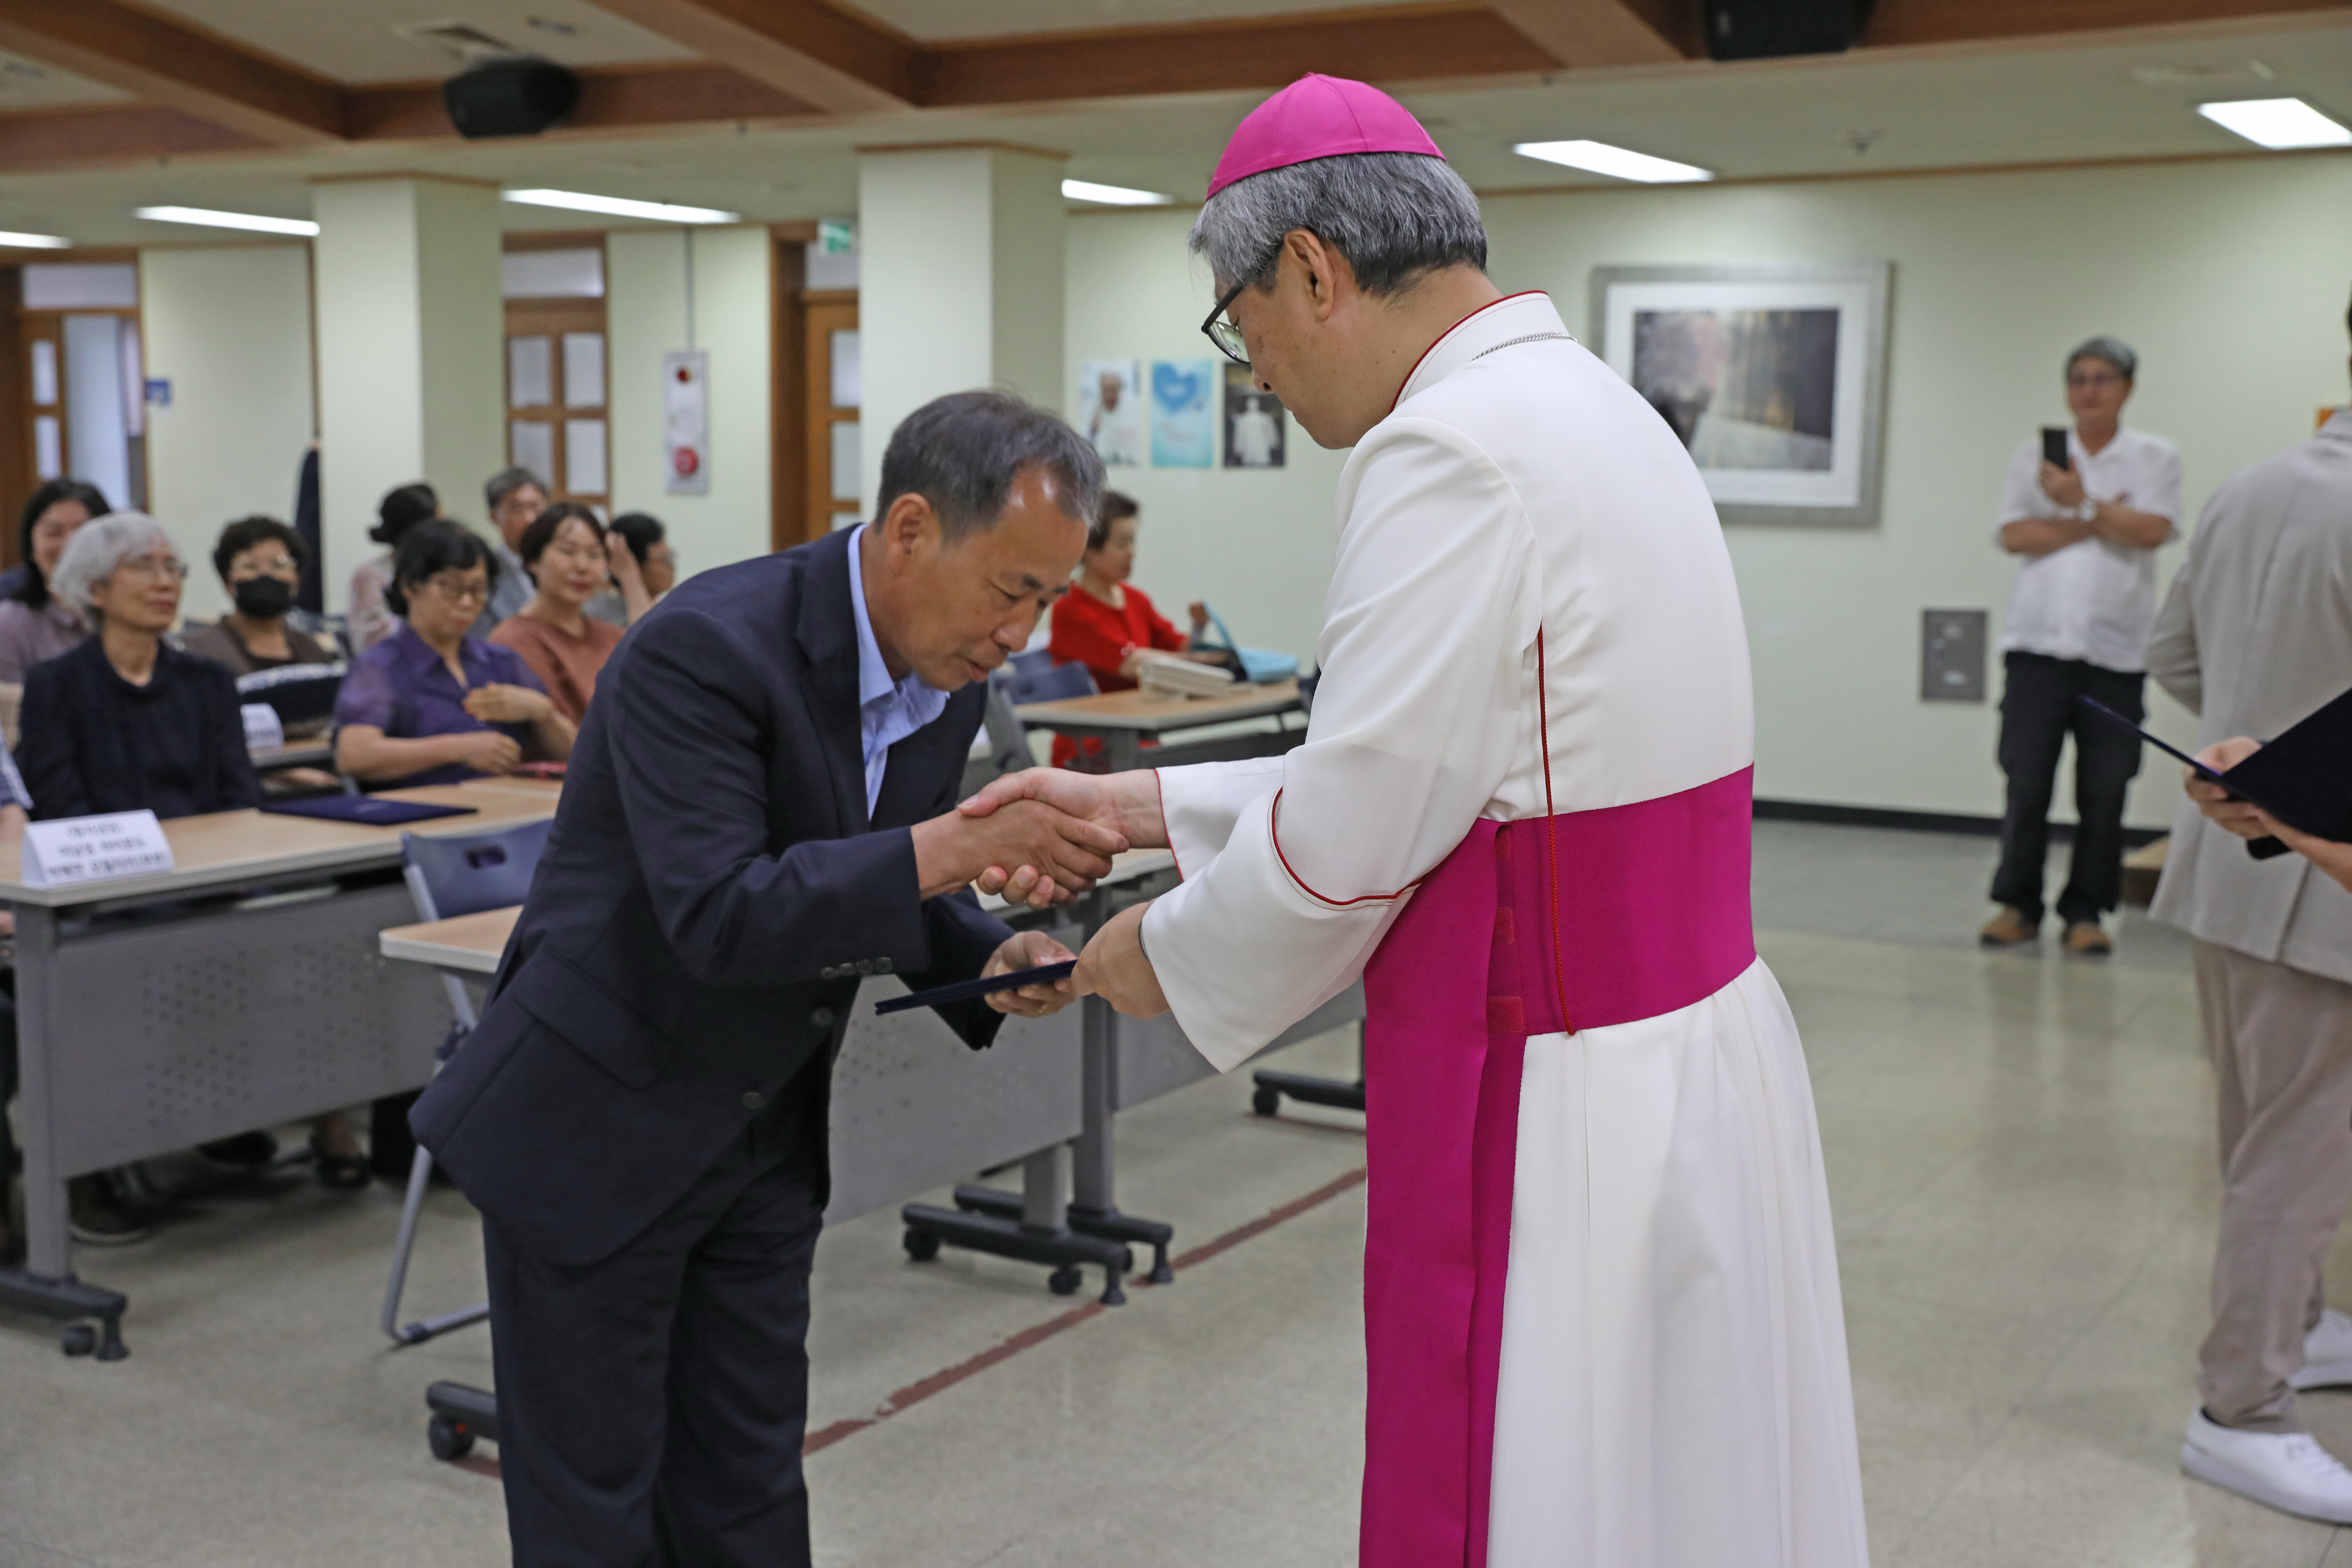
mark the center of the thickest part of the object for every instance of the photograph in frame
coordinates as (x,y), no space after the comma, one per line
(1254,421)
(1772,377)
(1110,410)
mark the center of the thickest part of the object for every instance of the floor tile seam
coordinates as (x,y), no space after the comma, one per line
(53,1550)
(946,1378)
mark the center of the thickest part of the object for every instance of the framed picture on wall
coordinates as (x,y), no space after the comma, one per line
(1773,376)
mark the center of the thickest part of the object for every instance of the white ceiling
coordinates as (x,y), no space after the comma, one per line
(1764,120)
(355,41)
(29,84)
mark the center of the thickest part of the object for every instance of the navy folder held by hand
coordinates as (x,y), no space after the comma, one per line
(370,810)
(973,990)
(2303,777)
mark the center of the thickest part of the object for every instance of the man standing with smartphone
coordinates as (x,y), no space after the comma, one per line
(2085,509)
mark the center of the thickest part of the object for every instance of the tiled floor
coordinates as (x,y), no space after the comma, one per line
(2019,1151)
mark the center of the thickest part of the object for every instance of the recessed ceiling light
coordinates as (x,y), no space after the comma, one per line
(621,206)
(208,218)
(34,241)
(2277,122)
(1601,158)
(1112,195)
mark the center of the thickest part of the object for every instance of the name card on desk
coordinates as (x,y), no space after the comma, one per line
(263,727)
(77,849)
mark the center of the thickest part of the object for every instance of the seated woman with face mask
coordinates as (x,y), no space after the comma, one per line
(259,559)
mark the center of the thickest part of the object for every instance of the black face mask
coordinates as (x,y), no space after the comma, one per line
(264,598)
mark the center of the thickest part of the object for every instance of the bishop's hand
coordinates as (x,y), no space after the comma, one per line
(1126,805)
(1068,852)
(1116,968)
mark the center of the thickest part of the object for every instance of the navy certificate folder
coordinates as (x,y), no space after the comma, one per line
(973,990)
(370,810)
(2303,777)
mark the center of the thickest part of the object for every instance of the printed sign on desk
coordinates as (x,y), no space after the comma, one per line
(76,849)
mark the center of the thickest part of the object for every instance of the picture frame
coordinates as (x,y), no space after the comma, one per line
(1773,375)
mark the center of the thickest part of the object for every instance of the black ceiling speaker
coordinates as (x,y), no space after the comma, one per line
(517,97)
(1766,29)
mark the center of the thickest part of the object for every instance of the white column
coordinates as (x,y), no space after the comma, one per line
(412,335)
(960,281)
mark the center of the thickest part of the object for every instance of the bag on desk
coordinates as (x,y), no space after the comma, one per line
(1257,665)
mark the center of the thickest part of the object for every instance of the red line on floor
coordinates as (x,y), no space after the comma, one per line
(1028,1339)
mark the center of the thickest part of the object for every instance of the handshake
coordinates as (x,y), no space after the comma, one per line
(1040,837)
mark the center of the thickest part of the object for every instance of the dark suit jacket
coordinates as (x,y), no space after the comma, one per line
(708,896)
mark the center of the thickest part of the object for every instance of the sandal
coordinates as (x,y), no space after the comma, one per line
(340,1173)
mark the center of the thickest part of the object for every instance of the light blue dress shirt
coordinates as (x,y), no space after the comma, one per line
(887,710)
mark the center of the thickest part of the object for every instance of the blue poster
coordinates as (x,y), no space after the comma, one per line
(1183,416)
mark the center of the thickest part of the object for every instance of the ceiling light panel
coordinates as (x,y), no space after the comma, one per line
(208,218)
(34,241)
(2277,122)
(1618,162)
(621,206)
(1113,195)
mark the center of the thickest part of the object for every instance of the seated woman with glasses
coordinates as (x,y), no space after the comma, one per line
(259,559)
(125,721)
(564,551)
(432,703)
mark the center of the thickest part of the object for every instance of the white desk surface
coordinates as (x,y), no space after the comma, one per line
(1150,714)
(472,944)
(226,848)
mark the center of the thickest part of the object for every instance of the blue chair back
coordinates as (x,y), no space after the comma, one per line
(1051,685)
(452,876)
(1029,662)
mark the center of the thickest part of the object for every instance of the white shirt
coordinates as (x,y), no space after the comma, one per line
(2094,600)
(1518,486)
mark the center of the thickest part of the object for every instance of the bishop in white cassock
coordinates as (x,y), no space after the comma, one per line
(1600,1292)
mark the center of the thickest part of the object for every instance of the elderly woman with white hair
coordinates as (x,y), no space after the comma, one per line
(125,721)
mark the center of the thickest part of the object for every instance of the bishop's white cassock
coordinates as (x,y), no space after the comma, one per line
(1602,1298)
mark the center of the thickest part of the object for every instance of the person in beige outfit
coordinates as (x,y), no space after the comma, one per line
(2255,634)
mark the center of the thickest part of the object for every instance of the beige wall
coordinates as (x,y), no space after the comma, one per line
(2228,276)
(229,327)
(645,317)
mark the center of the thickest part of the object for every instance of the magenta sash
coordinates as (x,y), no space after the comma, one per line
(1651,917)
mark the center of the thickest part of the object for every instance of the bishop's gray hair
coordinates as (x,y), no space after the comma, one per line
(2115,351)
(1394,215)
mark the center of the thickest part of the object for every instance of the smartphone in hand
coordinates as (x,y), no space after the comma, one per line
(2053,447)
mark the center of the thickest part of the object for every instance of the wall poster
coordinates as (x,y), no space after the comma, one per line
(1254,424)
(1773,376)
(1183,417)
(1110,410)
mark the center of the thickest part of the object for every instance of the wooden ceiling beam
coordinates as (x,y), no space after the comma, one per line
(88,136)
(1399,43)
(1902,23)
(1584,33)
(612,98)
(174,66)
(841,62)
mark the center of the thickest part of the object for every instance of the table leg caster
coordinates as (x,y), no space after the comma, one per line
(448,1438)
(921,1245)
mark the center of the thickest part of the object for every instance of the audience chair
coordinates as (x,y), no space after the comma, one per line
(1050,684)
(449,877)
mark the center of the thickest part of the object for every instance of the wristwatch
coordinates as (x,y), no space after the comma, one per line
(2088,512)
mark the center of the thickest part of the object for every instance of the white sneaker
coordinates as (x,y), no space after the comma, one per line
(2288,1470)
(2327,1354)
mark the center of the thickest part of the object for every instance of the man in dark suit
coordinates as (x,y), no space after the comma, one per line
(759,811)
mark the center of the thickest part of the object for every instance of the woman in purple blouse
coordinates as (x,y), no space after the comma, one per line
(432,703)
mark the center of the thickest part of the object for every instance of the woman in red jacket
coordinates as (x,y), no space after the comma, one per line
(1107,624)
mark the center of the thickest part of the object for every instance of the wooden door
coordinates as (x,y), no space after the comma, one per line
(830,395)
(556,397)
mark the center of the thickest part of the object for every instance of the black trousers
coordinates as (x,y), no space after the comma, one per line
(2037,714)
(651,1407)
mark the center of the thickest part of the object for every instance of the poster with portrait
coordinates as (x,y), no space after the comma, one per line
(1110,410)
(1183,414)
(1771,376)
(1254,426)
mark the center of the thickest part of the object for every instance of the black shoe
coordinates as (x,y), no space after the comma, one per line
(96,1218)
(246,1151)
(340,1172)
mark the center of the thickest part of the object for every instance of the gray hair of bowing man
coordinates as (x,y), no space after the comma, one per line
(1394,215)
(2113,352)
(100,545)
(964,452)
